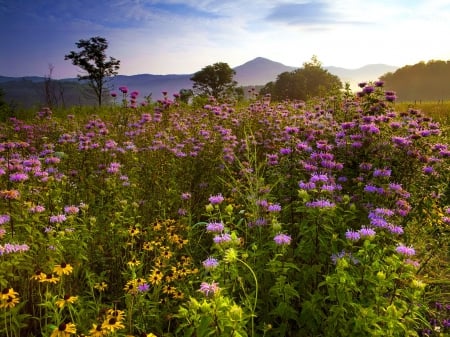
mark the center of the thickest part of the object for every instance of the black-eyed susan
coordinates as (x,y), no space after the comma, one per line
(131,287)
(67,299)
(168,289)
(133,231)
(112,324)
(7,293)
(156,276)
(97,331)
(63,269)
(133,262)
(9,302)
(38,276)
(64,330)
(156,226)
(115,313)
(147,245)
(102,286)
(178,295)
(50,278)
(166,253)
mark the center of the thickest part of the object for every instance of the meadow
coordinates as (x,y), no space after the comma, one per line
(322,218)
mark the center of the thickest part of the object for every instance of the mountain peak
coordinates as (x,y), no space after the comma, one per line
(259,71)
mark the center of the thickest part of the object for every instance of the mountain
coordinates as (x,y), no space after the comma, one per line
(29,91)
(259,71)
(370,72)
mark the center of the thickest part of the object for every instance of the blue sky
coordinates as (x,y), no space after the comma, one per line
(181,37)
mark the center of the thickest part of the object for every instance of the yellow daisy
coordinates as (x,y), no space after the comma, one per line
(64,330)
(67,299)
(101,286)
(133,262)
(97,331)
(7,293)
(112,324)
(9,303)
(38,276)
(156,276)
(117,314)
(63,269)
(50,278)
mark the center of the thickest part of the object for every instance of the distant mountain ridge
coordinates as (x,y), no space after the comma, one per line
(256,72)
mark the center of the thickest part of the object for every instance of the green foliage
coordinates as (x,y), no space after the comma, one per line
(421,81)
(304,83)
(93,60)
(215,80)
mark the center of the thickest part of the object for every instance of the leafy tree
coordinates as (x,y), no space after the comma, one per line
(310,81)
(421,81)
(93,60)
(215,80)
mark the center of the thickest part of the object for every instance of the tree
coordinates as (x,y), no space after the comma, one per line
(93,60)
(303,83)
(215,80)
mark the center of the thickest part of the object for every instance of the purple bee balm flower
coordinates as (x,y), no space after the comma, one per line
(216,199)
(222,238)
(57,218)
(18,177)
(209,289)
(210,263)
(215,227)
(4,218)
(322,203)
(366,232)
(282,239)
(186,196)
(274,208)
(352,235)
(405,250)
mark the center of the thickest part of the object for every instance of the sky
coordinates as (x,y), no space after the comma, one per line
(182,37)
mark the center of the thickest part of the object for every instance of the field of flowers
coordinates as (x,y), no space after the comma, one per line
(322,218)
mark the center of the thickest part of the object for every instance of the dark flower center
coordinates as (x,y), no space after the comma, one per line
(62,327)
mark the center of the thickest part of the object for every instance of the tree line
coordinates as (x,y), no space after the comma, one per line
(428,81)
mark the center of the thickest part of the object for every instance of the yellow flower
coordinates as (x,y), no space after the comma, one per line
(66,300)
(112,324)
(156,276)
(63,269)
(38,276)
(7,293)
(117,314)
(101,286)
(133,263)
(131,287)
(133,231)
(166,253)
(156,226)
(64,330)
(97,331)
(168,289)
(10,302)
(50,278)
(179,295)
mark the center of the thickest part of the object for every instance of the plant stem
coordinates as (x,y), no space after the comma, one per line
(256,295)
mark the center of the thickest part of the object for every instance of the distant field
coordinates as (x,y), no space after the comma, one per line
(440,111)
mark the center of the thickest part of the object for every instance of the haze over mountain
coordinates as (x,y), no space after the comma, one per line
(256,72)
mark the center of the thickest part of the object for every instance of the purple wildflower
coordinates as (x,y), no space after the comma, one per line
(405,250)
(4,218)
(215,227)
(18,177)
(209,289)
(366,232)
(222,238)
(274,208)
(57,218)
(322,203)
(210,263)
(352,235)
(71,209)
(143,287)
(216,199)
(282,239)
(186,196)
